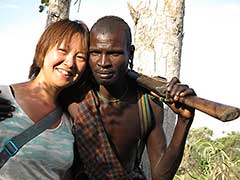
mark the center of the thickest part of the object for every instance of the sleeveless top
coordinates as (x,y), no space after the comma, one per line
(47,156)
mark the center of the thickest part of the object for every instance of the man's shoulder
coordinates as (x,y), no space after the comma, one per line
(150,96)
(89,98)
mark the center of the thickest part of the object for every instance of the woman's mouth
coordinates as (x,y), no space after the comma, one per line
(65,73)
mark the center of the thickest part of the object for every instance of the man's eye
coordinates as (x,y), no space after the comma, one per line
(94,53)
(115,54)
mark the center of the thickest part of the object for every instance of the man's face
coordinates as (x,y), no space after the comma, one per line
(109,56)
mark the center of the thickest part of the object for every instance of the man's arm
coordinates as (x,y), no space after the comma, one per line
(6,108)
(164,159)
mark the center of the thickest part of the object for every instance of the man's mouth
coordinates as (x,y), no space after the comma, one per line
(105,75)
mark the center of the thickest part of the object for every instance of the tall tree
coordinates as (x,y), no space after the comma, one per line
(58,9)
(158,34)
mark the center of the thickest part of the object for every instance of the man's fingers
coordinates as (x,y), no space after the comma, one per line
(4,115)
(6,108)
(2,118)
(172,83)
(188,92)
(4,101)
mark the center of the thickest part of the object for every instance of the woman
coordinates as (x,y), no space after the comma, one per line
(59,61)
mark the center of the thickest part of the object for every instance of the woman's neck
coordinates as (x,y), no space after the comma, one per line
(37,90)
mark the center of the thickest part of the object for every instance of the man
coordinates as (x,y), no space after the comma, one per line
(115,119)
(114,104)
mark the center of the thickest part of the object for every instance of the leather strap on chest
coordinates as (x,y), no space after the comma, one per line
(145,117)
(145,114)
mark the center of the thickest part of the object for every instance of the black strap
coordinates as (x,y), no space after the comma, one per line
(14,144)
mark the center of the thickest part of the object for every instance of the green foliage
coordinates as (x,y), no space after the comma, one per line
(44,4)
(206,158)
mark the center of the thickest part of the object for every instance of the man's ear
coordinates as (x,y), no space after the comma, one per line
(131,52)
(130,56)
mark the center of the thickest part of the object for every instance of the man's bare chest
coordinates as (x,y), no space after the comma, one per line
(121,121)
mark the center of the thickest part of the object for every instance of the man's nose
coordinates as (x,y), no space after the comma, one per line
(104,60)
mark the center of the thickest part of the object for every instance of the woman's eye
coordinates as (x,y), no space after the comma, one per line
(81,58)
(62,50)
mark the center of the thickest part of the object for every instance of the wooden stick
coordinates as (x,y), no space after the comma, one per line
(158,86)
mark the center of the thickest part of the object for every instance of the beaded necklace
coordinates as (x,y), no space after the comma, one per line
(112,100)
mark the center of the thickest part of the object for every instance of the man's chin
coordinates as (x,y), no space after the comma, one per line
(105,82)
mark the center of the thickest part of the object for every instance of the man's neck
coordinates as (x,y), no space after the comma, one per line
(119,91)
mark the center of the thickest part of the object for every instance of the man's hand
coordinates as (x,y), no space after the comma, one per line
(6,109)
(175,90)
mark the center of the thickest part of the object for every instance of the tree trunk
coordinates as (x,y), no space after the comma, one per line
(158,35)
(57,10)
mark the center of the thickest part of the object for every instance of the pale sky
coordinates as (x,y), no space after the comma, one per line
(210,57)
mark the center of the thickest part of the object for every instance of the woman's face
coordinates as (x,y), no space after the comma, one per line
(65,64)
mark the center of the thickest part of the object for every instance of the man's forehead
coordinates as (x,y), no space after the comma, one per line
(107,35)
(109,28)
(100,33)
(107,41)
